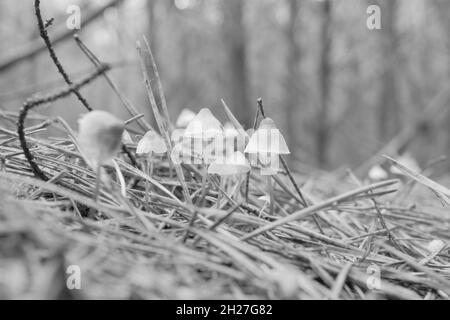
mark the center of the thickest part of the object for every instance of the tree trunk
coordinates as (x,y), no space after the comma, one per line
(323,130)
(389,115)
(292,75)
(235,49)
(153,42)
(152,25)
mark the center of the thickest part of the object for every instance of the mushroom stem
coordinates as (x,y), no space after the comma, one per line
(150,173)
(146,184)
(219,194)
(204,182)
(270,187)
(97,183)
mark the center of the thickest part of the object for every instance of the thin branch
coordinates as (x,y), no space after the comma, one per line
(28,105)
(44,35)
(125,102)
(37,47)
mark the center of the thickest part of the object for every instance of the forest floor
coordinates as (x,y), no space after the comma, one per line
(355,239)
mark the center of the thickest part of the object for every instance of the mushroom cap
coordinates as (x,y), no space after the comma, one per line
(377,173)
(233,164)
(126,137)
(186,116)
(99,136)
(203,126)
(267,139)
(435,245)
(151,142)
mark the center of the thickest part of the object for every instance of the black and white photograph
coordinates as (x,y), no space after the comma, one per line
(225,155)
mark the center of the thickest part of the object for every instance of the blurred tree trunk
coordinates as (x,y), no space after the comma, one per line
(292,75)
(441,8)
(389,108)
(234,36)
(152,25)
(448,79)
(447,27)
(152,37)
(323,129)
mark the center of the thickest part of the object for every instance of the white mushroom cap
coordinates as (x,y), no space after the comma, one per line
(99,136)
(435,245)
(126,137)
(203,126)
(377,173)
(267,139)
(151,142)
(233,164)
(186,116)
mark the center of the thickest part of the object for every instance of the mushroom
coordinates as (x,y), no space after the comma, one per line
(126,138)
(435,246)
(186,116)
(204,133)
(265,147)
(151,143)
(99,137)
(377,173)
(235,139)
(235,164)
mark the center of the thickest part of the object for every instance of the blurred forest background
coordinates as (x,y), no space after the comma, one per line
(338,91)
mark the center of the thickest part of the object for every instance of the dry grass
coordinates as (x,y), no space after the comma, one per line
(135,248)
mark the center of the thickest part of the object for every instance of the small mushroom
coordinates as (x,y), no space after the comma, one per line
(435,246)
(377,173)
(151,143)
(99,137)
(185,117)
(204,133)
(126,138)
(234,139)
(235,164)
(204,125)
(265,146)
